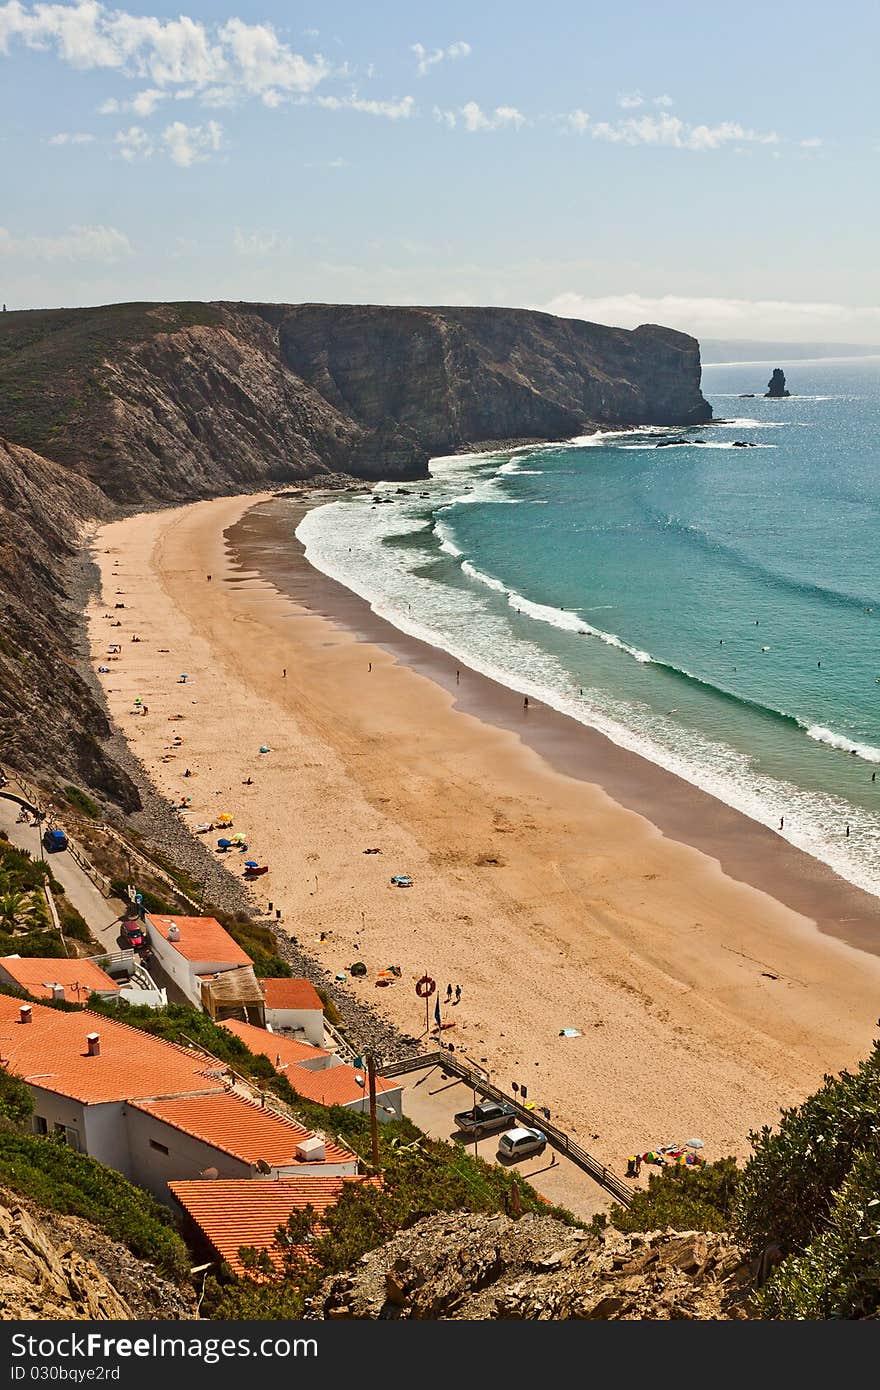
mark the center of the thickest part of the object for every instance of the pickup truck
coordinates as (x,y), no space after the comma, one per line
(489,1115)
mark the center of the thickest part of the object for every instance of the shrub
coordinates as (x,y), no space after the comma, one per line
(687,1199)
(82,802)
(51,1174)
(788,1187)
(16,1101)
(838,1276)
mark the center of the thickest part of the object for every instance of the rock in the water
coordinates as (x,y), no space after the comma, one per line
(776,385)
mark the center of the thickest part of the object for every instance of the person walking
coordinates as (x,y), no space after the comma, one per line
(781,822)
(458,994)
(283,672)
(448,993)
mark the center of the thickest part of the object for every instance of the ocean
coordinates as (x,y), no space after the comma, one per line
(713,608)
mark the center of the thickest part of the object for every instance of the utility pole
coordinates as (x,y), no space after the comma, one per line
(374,1123)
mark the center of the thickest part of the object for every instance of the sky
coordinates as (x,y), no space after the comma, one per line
(712,167)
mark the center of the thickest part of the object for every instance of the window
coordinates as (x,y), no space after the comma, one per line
(41,1124)
(70,1136)
(160,1148)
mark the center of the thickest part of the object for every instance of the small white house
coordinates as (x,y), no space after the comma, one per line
(294,1006)
(188,948)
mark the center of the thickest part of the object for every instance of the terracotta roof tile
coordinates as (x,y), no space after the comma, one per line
(36,974)
(291,994)
(238,1127)
(246,1211)
(51,1052)
(335,1085)
(201,938)
(272,1045)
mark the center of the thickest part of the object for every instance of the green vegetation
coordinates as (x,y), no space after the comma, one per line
(25,927)
(52,367)
(152,903)
(51,1174)
(686,1199)
(16,1102)
(812,1188)
(78,799)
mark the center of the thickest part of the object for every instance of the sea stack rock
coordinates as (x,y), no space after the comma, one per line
(776,384)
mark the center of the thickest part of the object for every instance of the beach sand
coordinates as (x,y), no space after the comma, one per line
(705,1003)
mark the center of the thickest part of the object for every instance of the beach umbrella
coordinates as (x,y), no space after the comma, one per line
(694,1144)
(251,864)
(239,838)
(223,844)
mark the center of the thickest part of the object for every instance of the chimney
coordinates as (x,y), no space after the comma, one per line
(57,991)
(24,1013)
(173,932)
(93,1043)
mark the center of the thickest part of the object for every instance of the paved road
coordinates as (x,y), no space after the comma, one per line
(99,912)
(431,1101)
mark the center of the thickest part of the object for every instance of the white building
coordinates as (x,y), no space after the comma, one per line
(294,1006)
(193,950)
(148,1108)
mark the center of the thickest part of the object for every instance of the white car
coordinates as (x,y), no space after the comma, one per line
(521,1143)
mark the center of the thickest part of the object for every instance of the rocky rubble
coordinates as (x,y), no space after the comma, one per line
(42,1277)
(466,1266)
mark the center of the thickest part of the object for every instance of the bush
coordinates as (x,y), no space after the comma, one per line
(82,802)
(53,1176)
(838,1276)
(16,1101)
(788,1187)
(687,1199)
(151,902)
(73,924)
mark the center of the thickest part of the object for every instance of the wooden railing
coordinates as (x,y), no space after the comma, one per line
(556,1138)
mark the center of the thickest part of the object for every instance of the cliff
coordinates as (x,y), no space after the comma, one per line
(150,404)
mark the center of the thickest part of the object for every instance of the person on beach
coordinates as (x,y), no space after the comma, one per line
(448,993)
(209,579)
(525,702)
(781,822)
(458,987)
(873,777)
(457,675)
(284,672)
(847,832)
(370,667)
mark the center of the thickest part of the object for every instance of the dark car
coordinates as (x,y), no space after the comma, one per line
(134,935)
(489,1115)
(54,840)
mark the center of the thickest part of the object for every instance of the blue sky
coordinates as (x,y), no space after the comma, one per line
(713,167)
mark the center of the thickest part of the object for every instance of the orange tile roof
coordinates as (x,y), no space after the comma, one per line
(335,1085)
(51,1052)
(272,1045)
(246,1211)
(238,1127)
(80,978)
(201,938)
(291,994)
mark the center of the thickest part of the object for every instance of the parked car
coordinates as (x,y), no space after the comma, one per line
(54,840)
(489,1115)
(135,935)
(521,1143)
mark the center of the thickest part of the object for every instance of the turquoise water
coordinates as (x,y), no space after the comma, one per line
(715,608)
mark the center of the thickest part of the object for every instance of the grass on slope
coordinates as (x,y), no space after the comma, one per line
(50,361)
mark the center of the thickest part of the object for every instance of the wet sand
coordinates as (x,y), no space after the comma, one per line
(561,881)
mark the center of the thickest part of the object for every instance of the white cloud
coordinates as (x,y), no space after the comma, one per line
(76,244)
(257,243)
(109,107)
(168,52)
(577,120)
(65,137)
(474,119)
(427,59)
(133,143)
(812,143)
(673,132)
(145,103)
(396,110)
(190,144)
(628,101)
(723,318)
(664,100)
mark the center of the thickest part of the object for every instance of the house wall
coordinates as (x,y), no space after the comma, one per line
(60,1110)
(308,1021)
(393,1098)
(187,1157)
(107,1136)
(185,973)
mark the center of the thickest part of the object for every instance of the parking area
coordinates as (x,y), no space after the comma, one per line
(432,1098)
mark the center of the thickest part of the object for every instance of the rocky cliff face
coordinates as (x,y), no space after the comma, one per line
(148,404)
(482,1267)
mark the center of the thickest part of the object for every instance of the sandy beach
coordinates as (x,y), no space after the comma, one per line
(706,998)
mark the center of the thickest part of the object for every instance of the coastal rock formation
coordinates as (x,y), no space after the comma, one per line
(43,1278)
(465,1266)
(150,404)
(776,385)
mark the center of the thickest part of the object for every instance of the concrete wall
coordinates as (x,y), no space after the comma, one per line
(107,1136)
(393,1098)
(55,1109)
(187,1157)
(175,967)
(309,1022)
